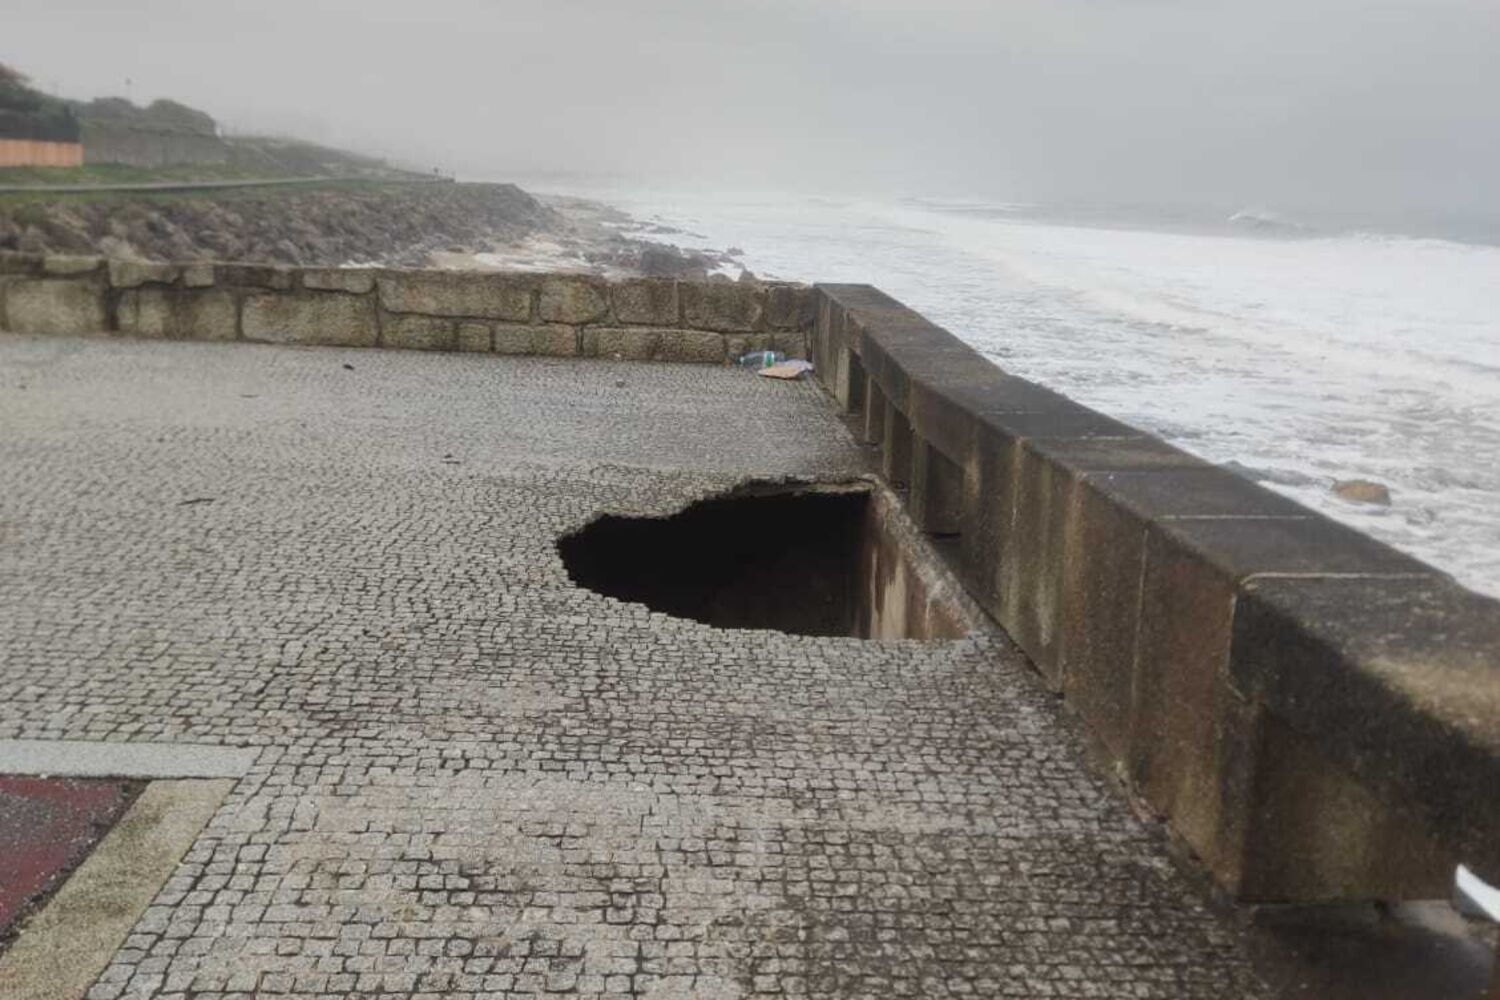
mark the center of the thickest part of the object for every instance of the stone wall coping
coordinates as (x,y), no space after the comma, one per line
(1139,578)
(1403,673)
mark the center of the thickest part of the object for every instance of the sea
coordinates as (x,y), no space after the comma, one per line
(1300,353)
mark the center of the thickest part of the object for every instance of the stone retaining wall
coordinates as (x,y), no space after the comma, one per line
(1316,714)
(549,314)
(120,142)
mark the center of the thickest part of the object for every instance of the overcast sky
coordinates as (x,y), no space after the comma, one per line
(1343,103)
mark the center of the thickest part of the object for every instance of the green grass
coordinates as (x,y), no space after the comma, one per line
(10,200)
(119,173)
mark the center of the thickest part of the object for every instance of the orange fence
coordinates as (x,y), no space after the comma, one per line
(39,153)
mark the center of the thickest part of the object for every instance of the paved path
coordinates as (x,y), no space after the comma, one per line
(478,781)
(202,185)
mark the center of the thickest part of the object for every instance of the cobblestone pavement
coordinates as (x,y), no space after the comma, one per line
(478,781)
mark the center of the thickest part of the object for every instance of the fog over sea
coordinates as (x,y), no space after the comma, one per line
(1305,354)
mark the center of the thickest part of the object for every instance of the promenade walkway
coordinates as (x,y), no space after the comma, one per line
(476,780)
(169,186)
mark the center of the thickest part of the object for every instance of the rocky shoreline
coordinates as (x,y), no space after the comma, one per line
(452,225)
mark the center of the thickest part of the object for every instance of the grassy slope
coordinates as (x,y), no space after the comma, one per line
(13,199)
(119,173)
(252,158)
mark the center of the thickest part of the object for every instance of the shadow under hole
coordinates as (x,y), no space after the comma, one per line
(788,561)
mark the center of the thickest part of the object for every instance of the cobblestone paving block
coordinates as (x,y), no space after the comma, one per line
(477,781)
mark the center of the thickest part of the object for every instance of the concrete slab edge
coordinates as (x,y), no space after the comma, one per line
(86,759)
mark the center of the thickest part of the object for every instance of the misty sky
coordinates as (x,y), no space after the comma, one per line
(1274,103)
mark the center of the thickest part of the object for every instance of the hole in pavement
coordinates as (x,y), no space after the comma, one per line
(808,560)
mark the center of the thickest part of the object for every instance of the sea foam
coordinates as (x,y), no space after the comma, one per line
(1304,359)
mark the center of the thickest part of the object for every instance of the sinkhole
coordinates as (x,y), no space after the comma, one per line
(808,559)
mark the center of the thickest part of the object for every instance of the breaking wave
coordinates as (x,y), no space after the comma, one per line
(1307,358)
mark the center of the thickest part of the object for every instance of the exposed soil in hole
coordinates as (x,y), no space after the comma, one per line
(47,827)
(811,560)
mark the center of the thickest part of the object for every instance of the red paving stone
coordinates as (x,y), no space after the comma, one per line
(48,825)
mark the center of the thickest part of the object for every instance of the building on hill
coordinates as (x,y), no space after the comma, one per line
(36,130)
(163,133)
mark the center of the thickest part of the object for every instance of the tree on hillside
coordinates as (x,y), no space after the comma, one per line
(161,115)
(181,118)
(27,113)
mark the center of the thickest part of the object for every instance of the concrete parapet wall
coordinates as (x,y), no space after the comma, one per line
(707,322)
(901,596)
(1316,714)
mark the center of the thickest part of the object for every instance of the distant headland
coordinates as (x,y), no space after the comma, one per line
(164,182)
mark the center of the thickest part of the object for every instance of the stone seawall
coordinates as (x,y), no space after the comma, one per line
(563,315)
(114,142)
(1316,714)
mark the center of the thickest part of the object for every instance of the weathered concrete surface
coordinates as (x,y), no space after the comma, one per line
(66,946)
(56,306)
(178,314)
(356,281)
(419,333)
(1312,711)
(438,293)
(135,273)
(478,781)
(1429,650)
(82,758)
(573,299)
(558,315)
(312,318)
(903,595)
(728,307)
(551,340)
(649,301)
